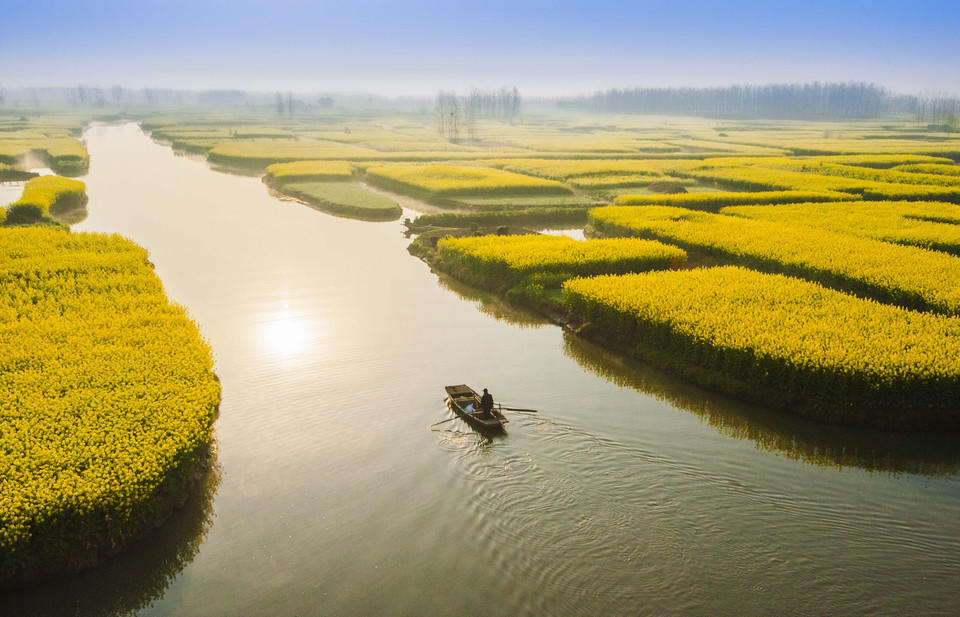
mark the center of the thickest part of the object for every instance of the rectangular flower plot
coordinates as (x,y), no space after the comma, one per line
(905,275)
(824,353)
(510,258)
(453,181)
(309,171)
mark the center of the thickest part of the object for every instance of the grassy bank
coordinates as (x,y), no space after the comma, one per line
(345,199)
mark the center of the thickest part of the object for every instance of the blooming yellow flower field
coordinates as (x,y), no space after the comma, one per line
(107,397)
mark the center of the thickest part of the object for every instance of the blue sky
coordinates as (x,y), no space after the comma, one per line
(416,47)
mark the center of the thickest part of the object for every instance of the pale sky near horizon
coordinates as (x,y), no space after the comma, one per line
(545,48)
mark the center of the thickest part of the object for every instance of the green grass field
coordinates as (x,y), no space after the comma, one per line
(345,199)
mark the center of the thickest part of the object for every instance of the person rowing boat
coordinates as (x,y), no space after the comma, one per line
(486,402)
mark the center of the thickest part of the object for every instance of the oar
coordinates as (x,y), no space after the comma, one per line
(517,409)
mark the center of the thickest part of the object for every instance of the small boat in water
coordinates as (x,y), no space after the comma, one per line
(466,403)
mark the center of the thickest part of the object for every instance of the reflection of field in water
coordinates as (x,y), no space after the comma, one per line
(931,454)
(138,576)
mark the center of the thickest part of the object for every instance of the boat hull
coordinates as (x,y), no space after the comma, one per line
(461,397)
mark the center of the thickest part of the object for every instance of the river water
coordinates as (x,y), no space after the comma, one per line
(629,493)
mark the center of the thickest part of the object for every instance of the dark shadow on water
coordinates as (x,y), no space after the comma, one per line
(138,576)
(927,454)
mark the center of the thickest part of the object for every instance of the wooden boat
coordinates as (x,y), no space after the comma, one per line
(466,403)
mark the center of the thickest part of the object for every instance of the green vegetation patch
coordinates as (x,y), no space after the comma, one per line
(344,198)
(11,173)
(515,202)
(529,217)
(829,355)
(107,399)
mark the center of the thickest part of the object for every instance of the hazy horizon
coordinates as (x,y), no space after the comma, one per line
(413,49)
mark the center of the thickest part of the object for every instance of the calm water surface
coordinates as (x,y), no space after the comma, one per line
(628,494)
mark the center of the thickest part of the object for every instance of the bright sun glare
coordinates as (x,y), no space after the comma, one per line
(286,333)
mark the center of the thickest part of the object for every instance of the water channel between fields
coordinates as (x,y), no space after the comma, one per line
(629,493)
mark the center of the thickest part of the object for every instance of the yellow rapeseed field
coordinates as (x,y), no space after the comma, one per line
(107,397)
(309,171)
(450,180)
(931,225)
(904,275)
(840,357)
(516,256)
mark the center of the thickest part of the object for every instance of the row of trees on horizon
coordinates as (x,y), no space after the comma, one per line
(811,101)
(456,115)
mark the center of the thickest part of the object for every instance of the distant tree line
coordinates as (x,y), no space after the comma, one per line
(795,101)
(937,112)
(457,115)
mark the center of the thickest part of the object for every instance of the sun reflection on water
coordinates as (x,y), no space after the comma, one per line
(286,333)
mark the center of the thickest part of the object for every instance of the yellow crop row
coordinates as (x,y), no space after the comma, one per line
(882,161)
(824,167)
(760,178)
(931,225)
(107,396)
(827,353)
(512,257)
(561,169)
(449,180)
(309,171)
(609,181)
(905,275)
(756,177)
(923,168)
(712,201)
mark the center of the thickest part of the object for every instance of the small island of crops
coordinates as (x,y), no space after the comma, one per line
(345,199)
(109,395)
(534,266)
(45,198)
(51,138)
(327,185)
